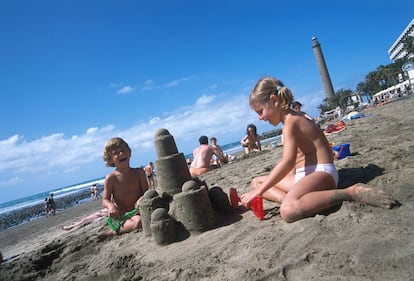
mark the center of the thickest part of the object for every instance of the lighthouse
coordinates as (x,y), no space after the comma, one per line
(323,70)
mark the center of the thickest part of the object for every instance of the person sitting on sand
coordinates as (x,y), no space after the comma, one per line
(305,180)
(297,107)
(202,157)
(123,189)
(251,141)
(220,162)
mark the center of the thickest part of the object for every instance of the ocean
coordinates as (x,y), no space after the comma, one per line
(31,206)
(39,198)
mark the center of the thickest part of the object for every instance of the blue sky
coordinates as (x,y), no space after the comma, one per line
(75,73)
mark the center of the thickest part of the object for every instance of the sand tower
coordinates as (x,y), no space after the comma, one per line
(171,167)
(181,200)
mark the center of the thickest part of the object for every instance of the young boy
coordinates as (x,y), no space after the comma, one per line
(123,188)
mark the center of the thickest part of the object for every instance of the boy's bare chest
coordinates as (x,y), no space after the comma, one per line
(127,184)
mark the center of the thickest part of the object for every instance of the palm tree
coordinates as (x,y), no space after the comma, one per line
(340,99)
(408,46)
(344,97)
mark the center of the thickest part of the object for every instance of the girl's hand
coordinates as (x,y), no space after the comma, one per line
(248,197)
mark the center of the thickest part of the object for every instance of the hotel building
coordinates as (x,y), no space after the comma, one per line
(396,51)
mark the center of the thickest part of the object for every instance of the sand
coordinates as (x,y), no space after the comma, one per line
(357,242)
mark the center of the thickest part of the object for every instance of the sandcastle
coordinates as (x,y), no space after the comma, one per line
(182,203)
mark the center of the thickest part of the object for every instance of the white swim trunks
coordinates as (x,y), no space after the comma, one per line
(327,168)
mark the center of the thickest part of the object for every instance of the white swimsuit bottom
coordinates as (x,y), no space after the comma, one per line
(327,168)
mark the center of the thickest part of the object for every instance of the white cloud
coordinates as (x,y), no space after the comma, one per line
(154,120)
(125,90)
(11,181)
(177,82)
(56,154)
(13,139)
(91,130)
(204,99)
(148,85)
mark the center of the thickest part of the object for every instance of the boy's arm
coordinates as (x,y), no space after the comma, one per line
(107,197)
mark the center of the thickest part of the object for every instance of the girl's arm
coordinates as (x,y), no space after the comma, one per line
(284,166)
(287,163)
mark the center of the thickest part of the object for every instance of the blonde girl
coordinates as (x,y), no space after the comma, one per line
(305,179)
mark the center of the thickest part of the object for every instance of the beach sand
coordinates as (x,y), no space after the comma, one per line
(357,242)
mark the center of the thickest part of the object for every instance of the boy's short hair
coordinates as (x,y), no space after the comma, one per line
(110,146)
(203,140)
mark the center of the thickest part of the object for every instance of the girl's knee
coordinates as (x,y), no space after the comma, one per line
(256,182)
(288,212)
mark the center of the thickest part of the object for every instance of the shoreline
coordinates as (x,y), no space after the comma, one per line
(37,211)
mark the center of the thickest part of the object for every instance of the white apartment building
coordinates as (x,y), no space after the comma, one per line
(396,51)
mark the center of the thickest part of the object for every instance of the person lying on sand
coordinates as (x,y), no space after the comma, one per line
(87,220)
(123,189)
(305,180)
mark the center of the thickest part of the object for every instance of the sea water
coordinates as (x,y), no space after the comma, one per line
(40,197)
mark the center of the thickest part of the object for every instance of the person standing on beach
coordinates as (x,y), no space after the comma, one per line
(251,141)
(46,206)
(93,192)
(202,157)
(305,179)
(123,188)
(52,204)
